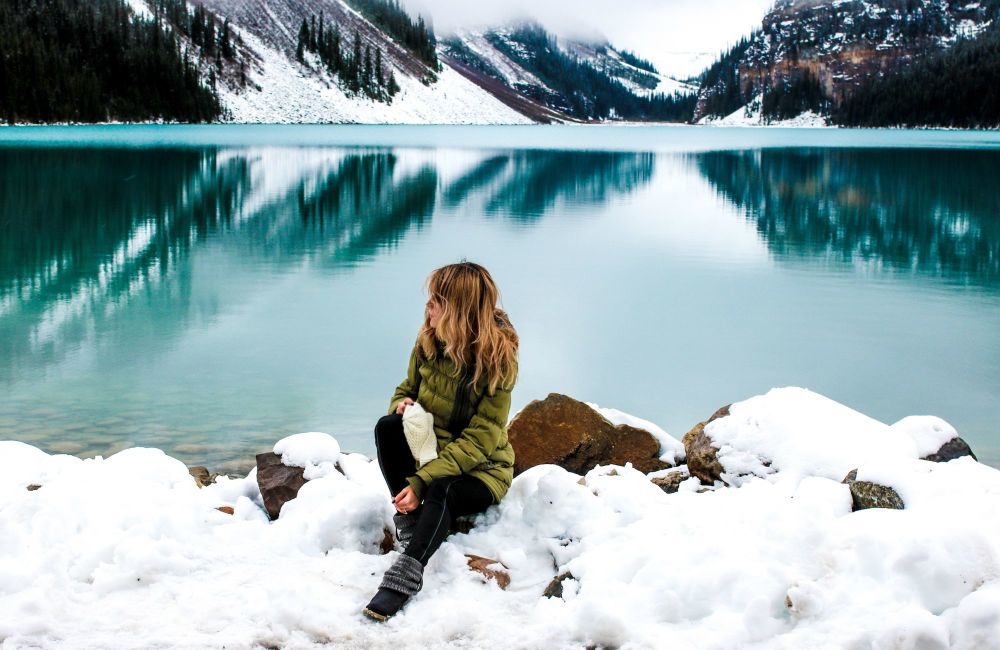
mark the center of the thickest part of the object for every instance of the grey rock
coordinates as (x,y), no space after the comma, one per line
(865,494)
(954,448)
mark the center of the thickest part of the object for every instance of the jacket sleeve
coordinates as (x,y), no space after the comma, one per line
(410,385)
(473,446)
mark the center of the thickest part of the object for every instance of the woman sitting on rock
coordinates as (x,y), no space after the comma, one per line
(443,448)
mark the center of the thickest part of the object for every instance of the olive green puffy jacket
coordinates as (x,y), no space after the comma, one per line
(481,449)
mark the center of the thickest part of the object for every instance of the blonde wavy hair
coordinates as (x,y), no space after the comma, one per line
(474,331)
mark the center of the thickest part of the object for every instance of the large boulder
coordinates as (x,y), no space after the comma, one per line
(278,482)
(560,430)
(702,455)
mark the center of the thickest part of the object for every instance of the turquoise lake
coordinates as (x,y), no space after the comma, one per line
(209,290)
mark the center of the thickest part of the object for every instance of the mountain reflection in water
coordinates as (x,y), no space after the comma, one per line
(920,211)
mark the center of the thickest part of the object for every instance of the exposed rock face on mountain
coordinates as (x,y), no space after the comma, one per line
(812,54)
(272,82)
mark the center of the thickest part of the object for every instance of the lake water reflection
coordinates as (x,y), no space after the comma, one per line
(210,300)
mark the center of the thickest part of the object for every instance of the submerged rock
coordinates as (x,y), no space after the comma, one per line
(702,455)
(865,494)
(560,430)
(278,482)
(954,448)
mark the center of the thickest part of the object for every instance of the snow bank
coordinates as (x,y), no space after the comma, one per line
(126,552)
(790,433)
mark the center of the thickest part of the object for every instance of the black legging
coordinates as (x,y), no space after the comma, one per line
(444,499)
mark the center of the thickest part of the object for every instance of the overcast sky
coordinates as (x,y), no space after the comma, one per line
(662,31)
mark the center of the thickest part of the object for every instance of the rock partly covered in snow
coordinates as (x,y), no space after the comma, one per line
(278,483)
(936,440)
(702,456)
(790,433)
(295,460)
(560,430)
(865,494)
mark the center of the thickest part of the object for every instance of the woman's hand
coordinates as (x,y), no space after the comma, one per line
(406,500)
(402,405)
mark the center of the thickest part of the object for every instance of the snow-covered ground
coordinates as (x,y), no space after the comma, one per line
(125,552)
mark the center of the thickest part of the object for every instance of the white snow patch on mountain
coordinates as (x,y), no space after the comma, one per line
(290,93)
(512,73)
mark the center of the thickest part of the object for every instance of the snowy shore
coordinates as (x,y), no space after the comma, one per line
(127,552)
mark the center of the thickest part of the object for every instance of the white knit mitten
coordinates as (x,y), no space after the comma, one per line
(418,428)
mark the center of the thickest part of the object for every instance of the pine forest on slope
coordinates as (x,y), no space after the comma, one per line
(863,63)
(96,61)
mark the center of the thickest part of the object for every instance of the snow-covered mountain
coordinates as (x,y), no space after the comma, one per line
(508,61)
(483,77)
(812,54)
(283,90)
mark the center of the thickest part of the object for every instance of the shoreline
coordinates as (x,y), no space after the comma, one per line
(778,554)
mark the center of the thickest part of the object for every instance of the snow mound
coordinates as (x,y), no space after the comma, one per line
(791,433)
(927,431)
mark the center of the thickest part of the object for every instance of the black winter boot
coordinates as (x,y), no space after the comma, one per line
(403,579)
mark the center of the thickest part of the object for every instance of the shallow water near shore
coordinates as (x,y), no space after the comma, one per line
(209,290)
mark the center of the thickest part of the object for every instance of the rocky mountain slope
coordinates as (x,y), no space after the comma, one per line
(812,55)
(283,89)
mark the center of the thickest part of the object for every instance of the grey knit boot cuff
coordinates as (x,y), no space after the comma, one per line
(406,575)
(405,525)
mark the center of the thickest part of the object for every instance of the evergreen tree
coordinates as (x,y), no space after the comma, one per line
(368,68)
(953,88)
(226,45)
(392,86)
(303,41)
(415,36)
(94,60)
